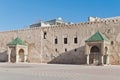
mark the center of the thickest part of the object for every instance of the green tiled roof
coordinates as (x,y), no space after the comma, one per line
(98,36)
(16,41)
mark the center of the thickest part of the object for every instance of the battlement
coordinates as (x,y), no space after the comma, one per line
(42,39)
(113,20)
(94,19)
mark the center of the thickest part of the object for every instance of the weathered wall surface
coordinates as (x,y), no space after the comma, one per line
(30,36)
(83,31)
(46,51)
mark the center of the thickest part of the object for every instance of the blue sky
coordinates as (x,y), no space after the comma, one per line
(15,14)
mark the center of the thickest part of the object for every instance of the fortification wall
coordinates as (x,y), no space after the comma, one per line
(75,52)
(46,51)
(32,38)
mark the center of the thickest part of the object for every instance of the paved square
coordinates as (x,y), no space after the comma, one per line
(9,71)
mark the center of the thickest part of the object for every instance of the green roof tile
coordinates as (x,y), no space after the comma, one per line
(16,41)
(98,36)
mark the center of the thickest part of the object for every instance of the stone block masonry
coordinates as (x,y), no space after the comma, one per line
(43,49)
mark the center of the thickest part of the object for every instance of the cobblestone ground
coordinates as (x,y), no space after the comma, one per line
(9,71)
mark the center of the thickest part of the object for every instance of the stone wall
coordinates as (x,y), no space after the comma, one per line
(46,51)
(30,36)
(75,52)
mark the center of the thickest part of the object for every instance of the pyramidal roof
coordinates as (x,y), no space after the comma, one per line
(17,41)
(98,36)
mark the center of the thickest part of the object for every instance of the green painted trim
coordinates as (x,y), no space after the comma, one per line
(17,41)
(98,36)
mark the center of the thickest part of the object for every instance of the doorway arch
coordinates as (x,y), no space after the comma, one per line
(95,56)
(21,55)
(94,49)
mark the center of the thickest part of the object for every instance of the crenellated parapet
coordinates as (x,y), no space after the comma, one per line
(105,21)
(42,39)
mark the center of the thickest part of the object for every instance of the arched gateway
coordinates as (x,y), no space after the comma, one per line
(95,55)
(17,51)
(21,55)
(97,49)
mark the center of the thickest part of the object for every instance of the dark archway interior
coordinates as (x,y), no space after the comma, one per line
(94,49)
(95,56)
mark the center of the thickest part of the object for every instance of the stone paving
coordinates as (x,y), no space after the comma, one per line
(11,71)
